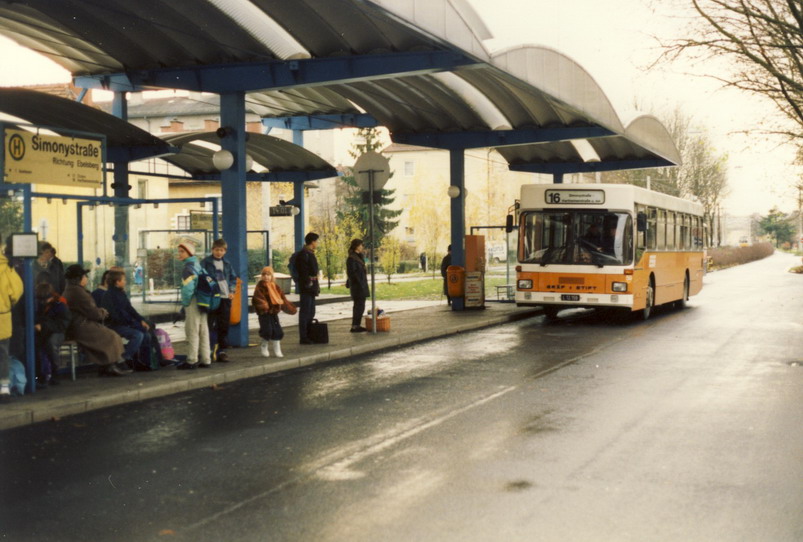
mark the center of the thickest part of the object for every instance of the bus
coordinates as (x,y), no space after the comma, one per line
(607,245)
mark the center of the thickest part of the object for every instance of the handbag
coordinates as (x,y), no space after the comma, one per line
(318,332)
(236,304)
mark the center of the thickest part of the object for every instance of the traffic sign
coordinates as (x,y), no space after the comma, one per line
(371,163)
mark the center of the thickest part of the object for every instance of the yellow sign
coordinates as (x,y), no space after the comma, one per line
(35,158)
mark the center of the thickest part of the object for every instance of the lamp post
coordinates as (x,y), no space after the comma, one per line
(372,171)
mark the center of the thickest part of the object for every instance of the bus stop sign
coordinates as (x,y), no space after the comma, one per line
(367,163)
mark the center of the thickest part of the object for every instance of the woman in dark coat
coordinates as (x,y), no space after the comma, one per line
(100,344)
(357,283)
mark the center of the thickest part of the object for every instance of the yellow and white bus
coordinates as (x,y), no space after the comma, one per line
(607,245)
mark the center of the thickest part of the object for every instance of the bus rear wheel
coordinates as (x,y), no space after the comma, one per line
(647,310)
(682,303)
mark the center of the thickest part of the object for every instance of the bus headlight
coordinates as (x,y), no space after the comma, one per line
(619,286)
(525,284)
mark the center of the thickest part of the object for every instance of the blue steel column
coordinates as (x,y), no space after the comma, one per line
(457,167)
(28,296)
(232,187)
(298,200)
(120,110)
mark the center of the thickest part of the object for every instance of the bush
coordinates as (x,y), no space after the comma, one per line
(256,261)
(280,259)
(164,268)
(408,266)
(723,257)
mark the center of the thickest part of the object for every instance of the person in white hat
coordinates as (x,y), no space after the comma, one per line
(196,327)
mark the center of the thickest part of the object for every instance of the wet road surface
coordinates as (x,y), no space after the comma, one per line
(685,427)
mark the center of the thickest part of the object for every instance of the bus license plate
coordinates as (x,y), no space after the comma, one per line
(567,297)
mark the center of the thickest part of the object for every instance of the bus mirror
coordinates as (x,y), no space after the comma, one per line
(509,223)
(641,222)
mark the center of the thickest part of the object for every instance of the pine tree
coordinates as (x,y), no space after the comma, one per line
(385,220)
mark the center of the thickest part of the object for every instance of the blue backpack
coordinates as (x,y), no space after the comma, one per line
(17,377)
(291,267)
(207,292)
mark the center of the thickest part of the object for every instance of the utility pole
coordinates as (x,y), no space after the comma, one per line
(800,217)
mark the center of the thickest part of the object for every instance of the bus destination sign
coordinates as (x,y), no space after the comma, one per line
(568,196)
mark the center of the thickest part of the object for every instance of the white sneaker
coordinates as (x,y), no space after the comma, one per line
(277,348)
(265,350)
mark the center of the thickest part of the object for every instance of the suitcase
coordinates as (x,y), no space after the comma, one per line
(318,332)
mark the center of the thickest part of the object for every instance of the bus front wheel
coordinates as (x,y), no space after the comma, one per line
(551,312)
(647,310)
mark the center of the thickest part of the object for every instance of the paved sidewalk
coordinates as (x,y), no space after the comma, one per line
(410,323)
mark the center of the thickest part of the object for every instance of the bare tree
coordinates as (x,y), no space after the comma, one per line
(705,178)
(764,41)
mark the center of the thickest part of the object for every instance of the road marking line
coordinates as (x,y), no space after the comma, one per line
(356,452)
(340,469)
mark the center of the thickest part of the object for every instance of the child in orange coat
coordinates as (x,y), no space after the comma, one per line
(268,300)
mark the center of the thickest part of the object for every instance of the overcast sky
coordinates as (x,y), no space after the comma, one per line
(613,41)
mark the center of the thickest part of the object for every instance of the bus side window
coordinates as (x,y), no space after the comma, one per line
(670,230)
(652,225)
(661,237)
(641,231)
(683,221)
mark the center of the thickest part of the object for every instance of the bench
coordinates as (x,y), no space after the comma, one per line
(72,348)
(507,290)
(72,352)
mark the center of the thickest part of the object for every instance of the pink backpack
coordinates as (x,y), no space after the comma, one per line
(165,345)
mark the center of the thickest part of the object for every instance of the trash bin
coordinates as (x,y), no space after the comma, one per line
(455,280)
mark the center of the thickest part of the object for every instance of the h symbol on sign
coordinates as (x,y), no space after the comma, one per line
(16,147)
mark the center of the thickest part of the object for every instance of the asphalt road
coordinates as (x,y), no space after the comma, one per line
(685,427)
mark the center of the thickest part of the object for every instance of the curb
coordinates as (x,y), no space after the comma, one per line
(54,407)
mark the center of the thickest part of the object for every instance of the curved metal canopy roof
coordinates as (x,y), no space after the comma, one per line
(283,161)
(123,140)
(271,153)
(418,67)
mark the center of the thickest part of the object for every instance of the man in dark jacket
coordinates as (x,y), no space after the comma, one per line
(127,322)
(445,263)
(308,287)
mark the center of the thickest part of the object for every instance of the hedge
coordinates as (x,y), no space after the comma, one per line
(722,257)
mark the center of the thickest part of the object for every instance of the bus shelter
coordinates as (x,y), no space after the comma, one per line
(421,70)
(64,172)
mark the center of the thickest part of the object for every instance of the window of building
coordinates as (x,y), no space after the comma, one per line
(182,222)
(409,169)
(208,204)
(142,189)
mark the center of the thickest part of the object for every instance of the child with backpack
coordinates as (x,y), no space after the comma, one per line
(196,326)
(217,266)
(51,320)
(268,301)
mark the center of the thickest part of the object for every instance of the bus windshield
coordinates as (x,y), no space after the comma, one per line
(572,237)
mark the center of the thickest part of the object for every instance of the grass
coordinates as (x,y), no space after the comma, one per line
(427,288)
